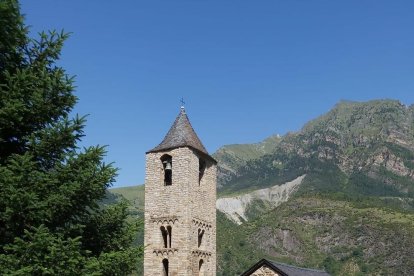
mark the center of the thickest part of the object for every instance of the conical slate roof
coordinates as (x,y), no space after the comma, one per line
(181,134)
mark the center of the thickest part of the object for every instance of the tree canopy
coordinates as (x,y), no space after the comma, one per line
(51,222)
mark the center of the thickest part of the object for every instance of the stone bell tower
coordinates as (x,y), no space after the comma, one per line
(180,205)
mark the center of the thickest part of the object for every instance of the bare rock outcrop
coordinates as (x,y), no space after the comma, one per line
(235,207)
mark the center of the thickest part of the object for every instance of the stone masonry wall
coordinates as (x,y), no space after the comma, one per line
(188,207)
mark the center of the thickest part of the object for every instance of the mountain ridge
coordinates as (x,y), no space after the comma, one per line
(353,136)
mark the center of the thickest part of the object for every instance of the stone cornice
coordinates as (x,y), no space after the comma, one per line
(165,251)
(165,219)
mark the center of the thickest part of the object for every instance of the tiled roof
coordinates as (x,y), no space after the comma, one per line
(298,271)
(285,269)
(181,134)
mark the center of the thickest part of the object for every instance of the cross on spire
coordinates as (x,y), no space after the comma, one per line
(182,102)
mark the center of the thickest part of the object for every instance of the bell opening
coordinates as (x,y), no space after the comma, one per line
(167,166)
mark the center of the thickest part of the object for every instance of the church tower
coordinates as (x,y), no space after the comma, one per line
(180,205)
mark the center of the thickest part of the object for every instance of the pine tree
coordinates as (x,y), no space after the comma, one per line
(51,222)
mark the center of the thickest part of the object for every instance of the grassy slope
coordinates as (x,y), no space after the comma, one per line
(134,195)
(245,152)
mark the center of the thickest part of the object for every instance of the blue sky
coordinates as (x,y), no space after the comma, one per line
(246,69)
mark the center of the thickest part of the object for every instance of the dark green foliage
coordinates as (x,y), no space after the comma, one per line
(406,155)
(361,184)
(329,179)
(234,252)
(256,207)
(40,252)
(133,197)
(266,171)
(50,220)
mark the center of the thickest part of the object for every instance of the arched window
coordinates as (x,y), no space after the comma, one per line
(165,267)
(169,230)
(200,236)
(200,267)
(201,169)
(164,234)
(167,166)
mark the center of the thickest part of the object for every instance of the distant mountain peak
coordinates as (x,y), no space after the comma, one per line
(374,138)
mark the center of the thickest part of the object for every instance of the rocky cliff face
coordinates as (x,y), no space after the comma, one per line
(236,207)
(360,136)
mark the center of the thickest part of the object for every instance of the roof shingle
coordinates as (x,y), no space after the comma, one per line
(298,271)
(181,134)
(285,269)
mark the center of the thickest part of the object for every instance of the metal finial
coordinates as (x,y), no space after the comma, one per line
(182,103)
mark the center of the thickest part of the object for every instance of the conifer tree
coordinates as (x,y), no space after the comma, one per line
(51,222)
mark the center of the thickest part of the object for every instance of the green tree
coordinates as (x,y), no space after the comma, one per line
(51,222)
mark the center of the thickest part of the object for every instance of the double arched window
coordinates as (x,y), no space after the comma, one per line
(200,236)
(166,233)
